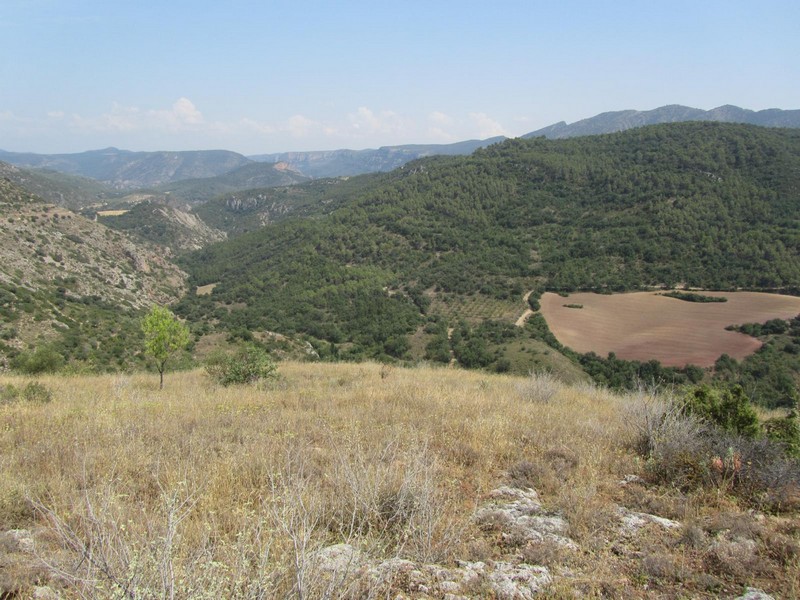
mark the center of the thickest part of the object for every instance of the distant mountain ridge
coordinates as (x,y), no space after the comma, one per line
(337,163)
(610,122)
(332,163)
(125,170)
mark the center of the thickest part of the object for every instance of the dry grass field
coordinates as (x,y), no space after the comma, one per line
(360,481)
(644,325)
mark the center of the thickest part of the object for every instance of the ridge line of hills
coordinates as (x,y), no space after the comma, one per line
(126,170)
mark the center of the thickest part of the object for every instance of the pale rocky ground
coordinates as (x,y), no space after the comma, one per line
(515,514)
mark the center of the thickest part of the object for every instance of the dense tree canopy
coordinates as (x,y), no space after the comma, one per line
(706,204)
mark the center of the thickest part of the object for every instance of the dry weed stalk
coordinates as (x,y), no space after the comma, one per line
(539,387)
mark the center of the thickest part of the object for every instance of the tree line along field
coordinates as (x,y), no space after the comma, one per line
(648,325)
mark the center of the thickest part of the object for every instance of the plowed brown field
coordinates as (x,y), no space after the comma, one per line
(644,325)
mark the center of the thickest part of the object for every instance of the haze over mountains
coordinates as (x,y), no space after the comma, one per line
(123,169)
(126,170)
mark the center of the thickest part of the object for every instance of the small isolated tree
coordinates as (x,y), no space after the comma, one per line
(164,335)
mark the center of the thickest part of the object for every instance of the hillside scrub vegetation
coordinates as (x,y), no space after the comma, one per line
(708,205)
(366,481)
(71,289)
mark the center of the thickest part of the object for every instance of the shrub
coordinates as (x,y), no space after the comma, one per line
(673,441)
(8,393)
(786,431)
(728,409)
(503,365)
(33,391)
(250,364)
(37,392)
(689,452)
(43,359)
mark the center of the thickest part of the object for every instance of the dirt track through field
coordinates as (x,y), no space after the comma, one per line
(527,314)
(644,325)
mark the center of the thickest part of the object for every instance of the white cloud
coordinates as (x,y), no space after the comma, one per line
(256,126)
(119,119)
(443,127)
(486,126)
(440,135)
(182,124)
(365,122)
(300,126)
(183,115)
(440,118)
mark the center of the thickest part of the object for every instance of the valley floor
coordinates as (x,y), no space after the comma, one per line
(361,481)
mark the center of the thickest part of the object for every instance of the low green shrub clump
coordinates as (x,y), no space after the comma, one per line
(786,431)
(727,408)
(37,392)
(43,359)
(8,393)
(33,391)
(250,364)
(713,437)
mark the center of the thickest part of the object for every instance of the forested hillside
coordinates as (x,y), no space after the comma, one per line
(709,205)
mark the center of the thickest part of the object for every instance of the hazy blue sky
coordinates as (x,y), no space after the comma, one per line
(272,76)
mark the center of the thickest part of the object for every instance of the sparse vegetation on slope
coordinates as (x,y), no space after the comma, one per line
(71,287)
(70,191)
(246,177)
(170,227)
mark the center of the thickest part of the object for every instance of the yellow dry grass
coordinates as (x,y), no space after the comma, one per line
(205,290)
(228,491)
(646,325)
(111,213)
